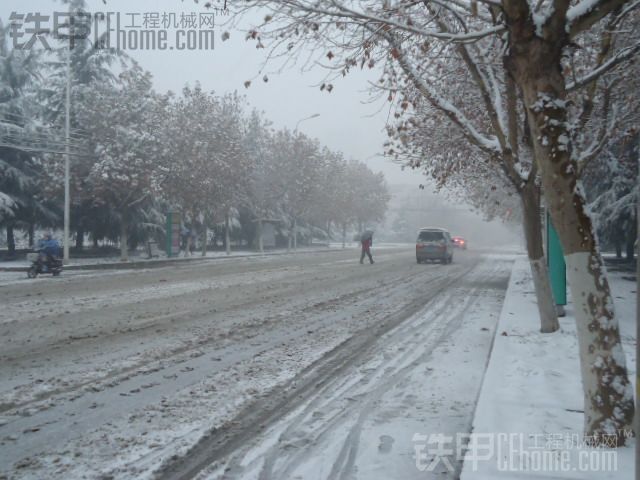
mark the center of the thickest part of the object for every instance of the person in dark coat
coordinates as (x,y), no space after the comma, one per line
(192,240)
(366,240)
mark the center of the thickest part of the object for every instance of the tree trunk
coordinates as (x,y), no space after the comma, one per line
(204,240)
(530,196)
(617,238)
(260,244)
(95,241)
(32,234)
(344,235)
(227,236)
(79,239)
(124,248)
(630,250)
(11,242)
(295,234)
(631,239)
(536,65)
(637,417)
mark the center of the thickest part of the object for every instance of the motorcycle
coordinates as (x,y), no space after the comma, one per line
(42,263)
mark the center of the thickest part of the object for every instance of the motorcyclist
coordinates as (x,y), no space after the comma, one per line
(49,249)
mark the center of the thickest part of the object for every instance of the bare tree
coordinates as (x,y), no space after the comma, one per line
(425,66)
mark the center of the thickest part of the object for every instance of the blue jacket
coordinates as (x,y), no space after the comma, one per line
(50,247)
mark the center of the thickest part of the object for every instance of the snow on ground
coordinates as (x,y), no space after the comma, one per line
(420,378)
(116,392)
(11,277)
(529,419)
(72,310)
(134,445)
(112,388)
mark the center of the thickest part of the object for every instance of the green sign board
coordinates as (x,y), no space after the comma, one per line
(557,267)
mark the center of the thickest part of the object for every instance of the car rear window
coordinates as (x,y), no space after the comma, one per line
(431,236)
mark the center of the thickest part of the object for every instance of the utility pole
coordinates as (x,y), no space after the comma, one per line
(67,199)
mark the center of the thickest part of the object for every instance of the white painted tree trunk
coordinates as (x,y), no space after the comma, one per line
(260,243)
(344,235)
(227,235)
(539,272)
(544,296)
(602,360)
(295,234)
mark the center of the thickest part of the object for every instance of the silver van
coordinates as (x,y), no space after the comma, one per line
(434,244)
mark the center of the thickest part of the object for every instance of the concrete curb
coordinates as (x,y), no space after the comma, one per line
(496,332)
(168,261)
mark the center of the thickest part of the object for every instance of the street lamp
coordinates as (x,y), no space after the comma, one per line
(295,220)
(315,115)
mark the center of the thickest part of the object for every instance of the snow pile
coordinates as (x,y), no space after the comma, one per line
(529,418)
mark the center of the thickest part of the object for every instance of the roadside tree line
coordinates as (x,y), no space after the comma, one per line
(137,153)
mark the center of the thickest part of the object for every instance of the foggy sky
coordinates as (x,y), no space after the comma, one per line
(346,122)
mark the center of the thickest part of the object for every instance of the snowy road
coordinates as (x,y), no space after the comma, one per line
(276,367)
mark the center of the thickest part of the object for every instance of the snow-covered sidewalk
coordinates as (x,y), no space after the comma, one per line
(529,418)
(142,258)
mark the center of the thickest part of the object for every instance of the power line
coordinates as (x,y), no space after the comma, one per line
(26,148)
(80,133)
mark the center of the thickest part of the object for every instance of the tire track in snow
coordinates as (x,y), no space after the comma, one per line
(352,397)
(155,361)
(227,439)
(398,281)
(359,398)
